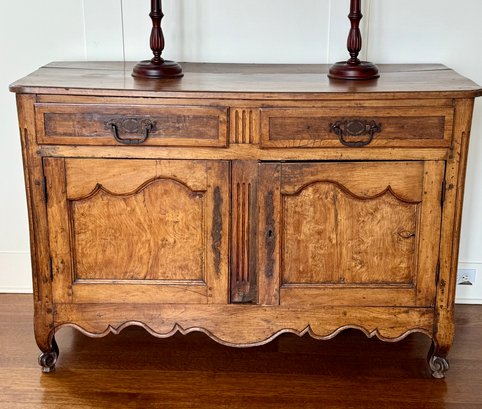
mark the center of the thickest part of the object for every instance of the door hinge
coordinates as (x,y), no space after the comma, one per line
(51,270)
(46,192)
(437,272)
(444,190)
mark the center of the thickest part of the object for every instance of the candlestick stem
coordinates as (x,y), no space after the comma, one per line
(354,69)
(354,43)
(157,67)
(157,36)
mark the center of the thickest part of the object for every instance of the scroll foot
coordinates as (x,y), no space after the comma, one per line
(438,364)
(47,360)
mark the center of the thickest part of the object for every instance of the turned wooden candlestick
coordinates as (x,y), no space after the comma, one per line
(354,69)
(157,67)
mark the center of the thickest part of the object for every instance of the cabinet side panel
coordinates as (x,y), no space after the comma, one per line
(451,222)
(36,200)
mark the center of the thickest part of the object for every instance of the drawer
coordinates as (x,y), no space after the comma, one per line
(356,127)
(91,124)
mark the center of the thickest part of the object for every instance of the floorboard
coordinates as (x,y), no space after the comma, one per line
(136,370)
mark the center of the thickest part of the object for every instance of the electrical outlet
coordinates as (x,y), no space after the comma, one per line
(466,276)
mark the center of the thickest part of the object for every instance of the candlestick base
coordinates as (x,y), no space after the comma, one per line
(157,70)
(346,70)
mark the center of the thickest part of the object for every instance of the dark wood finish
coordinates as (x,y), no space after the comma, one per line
(355,132)
(252,82)
(157,67)
(63,124)
(245,243)
(354,69)
(394,127)
(134,369)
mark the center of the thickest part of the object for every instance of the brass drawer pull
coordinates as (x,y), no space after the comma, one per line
(131,126)
(355,128)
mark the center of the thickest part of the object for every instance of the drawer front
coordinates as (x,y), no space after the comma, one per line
(65,124)
(356,127)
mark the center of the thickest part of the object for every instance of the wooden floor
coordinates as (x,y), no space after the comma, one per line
(136,370)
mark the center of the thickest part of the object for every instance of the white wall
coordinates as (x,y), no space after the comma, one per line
(33,33)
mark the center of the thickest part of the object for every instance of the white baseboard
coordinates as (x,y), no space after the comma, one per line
(15,290)
(468,301)
(15,272)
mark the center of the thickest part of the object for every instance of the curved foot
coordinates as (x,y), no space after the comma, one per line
(47,360)
(438,364)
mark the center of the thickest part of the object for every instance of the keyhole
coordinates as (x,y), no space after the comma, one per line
(270,233)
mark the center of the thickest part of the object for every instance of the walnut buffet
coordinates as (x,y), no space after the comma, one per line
(245,201)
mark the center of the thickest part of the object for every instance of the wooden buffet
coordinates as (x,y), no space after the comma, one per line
(245,201)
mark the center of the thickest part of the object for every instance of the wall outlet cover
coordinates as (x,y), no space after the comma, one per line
(466,276)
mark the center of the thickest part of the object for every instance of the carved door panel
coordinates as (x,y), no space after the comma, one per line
(146,231)
(364,233)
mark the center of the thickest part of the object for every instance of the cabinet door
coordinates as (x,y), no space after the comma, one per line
(364,233)
(145,231)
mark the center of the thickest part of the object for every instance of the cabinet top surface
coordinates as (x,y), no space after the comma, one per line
(252,80)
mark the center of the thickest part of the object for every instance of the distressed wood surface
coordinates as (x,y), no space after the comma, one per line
(155,233)
(244,126)
(332,236)
(67,124)
(135,227)
(268,232)
(401,127)
(242,105)
(244,222)
(343,226)
(247,152)
(451,224)
(317,240)
(134,369)
(251,81)
(362,179)
(120,177)
(244,325)
(38,226)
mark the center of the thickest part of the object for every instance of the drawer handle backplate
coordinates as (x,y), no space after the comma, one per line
(131,126)
(355,128)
